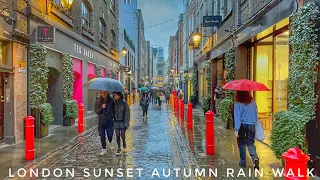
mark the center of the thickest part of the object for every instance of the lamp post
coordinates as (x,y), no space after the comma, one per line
(124,51)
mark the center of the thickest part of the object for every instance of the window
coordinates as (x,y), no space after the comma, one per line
(229,6)
(215,8)
(112,5)
(101,29)
(57,1)
(85,15)
(1,54)
(113,39)
(222,8)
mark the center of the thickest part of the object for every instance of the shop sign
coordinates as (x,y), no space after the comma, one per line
(46,34)
(81,50)
(212,21)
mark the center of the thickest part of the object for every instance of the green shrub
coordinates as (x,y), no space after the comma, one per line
(68,78)
(71,109)
(287,132)
(224,109)
(46,113)
(288,126)
(39,76)
(205,105)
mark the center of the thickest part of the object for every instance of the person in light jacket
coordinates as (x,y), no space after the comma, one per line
(104,107)
(245,117)
(121,119)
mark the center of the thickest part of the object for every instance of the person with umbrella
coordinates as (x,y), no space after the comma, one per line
(144,103)
(104,107)
(245,117)
(121,119)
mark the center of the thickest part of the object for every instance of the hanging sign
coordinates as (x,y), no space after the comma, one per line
(212,21)
(46,34)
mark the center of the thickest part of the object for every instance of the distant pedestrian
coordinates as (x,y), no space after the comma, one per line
(181,95)
(175,93)
(245,117)
(167,95)
(156,95)
(121,119)
(144,103)
(159,98)
(104,107)
(219,94)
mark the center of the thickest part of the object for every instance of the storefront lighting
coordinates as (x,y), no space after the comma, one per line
(286,33)
(124,51)
(66,4)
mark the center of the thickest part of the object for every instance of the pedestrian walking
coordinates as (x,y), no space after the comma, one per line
(245,117)
(104,107)
(144,103)
(156,95)
(181,95)
(159,97)
(121,119)
(167,95)
(219,94)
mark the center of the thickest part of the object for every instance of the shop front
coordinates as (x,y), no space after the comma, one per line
(86,59)
(262,55)
(269,64)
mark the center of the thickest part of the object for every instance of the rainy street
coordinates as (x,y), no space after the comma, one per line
(159,147)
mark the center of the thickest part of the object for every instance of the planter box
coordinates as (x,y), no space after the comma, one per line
(61,16)
(84,32)
(40,130)
(67,121)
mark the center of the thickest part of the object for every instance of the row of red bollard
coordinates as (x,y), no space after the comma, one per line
(29,131)
(179,107)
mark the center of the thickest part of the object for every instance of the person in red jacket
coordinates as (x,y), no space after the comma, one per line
(175,93)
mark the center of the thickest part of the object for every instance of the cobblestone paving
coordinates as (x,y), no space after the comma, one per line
(151,144)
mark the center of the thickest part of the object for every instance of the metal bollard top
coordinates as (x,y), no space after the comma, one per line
(295,154)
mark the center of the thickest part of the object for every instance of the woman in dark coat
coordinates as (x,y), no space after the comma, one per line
(121,119)
(104,107)
(144,103)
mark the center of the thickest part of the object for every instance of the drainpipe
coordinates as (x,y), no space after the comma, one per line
(28,56)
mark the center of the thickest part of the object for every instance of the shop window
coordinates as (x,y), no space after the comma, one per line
(282,70)
(222,8)
(85,15)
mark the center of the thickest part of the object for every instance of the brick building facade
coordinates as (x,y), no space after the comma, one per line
(88,32)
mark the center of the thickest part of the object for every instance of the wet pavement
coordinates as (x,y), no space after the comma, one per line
(226,150)
(13,156)
(161,143)
(152,145)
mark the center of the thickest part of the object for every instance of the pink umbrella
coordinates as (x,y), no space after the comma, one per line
(245,85)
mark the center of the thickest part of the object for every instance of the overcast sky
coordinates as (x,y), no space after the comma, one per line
(158,11)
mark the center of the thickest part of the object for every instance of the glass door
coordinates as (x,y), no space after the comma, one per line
(263,72)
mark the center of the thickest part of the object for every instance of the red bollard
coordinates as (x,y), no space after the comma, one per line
(29,146)
(295,164)
(190,123)
(182,108)
(80,118)
(209,133)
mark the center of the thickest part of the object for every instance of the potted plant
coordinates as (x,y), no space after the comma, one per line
(206,104)
(46,116)
(70,112)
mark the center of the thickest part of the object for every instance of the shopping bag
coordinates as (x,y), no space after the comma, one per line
(259,131)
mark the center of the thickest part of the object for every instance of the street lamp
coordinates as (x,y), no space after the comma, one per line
(196,37)
(124,51)
(66,4)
